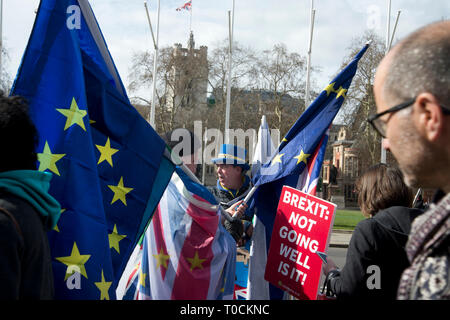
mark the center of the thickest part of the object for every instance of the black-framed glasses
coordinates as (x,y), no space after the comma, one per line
(380,125)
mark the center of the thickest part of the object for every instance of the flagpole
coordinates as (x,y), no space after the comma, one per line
(204,141)
(228,103)
(308,66)
(419,191)
(389,39)
(395,28)
(155,64)
(388,25)
(190,19)
(150,24)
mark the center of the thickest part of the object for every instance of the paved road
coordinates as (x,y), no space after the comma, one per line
(338,256)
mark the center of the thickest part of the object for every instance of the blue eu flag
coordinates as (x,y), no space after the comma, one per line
(297,164)
(305,135)
(108,164)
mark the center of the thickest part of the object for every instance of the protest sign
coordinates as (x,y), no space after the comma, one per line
(302,227)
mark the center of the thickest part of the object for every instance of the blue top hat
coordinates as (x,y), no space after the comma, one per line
(231,154)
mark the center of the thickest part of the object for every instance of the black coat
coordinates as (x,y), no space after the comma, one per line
(224,197)
(377,248)
(25,260)
(235,227)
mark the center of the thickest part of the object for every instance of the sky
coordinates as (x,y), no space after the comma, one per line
(259,24)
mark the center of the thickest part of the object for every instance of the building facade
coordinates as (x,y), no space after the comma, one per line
(340,169)
(188,83)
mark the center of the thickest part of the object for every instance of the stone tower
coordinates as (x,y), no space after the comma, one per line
(189,78)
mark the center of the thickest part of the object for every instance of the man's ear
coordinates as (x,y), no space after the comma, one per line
(428,116)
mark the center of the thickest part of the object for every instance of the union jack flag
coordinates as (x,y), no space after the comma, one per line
(185,253)
(187,6)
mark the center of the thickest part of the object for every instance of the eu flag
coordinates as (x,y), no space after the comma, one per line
(108,164)
(297,161)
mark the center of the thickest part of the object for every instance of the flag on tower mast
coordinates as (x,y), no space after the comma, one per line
(187,6)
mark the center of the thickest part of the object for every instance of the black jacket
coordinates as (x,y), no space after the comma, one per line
(225,197)
(226,200)
(376,249)
(25,260)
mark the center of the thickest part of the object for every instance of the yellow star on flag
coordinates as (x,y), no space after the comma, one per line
(224,283)
(302,157)
(161,259)
(103,286)
(277,159)
(114,238)
(341,93)
(47,159)
(120,191)
(56,225)
(142,279)
(106,152)
(74,115)
(196,262)
(330,88)
(75,260)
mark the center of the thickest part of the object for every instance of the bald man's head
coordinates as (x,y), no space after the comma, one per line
(417,70)
(419,63)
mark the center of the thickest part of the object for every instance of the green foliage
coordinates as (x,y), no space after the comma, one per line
(347,219)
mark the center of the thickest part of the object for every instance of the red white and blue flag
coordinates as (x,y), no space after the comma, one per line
(257,287)
(187,6)
(309,178)
(185,253)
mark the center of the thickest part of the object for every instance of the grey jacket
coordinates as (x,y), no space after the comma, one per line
(428,250)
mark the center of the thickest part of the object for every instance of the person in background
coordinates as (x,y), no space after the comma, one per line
(186,148)
(244,241)
(27,210)
(377,243)
(232,187)
(412,95)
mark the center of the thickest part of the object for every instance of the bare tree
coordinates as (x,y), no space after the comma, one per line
(282,75)
(360,101)
(5,77)
(243,70)
(179,73)
(269,82)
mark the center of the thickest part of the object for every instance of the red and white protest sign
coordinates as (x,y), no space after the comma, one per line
(302,227)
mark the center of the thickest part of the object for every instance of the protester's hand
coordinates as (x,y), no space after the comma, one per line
(237,210)
(327,267)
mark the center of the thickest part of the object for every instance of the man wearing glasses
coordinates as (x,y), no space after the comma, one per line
(412,93)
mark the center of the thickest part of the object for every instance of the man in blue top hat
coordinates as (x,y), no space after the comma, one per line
(232,185)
